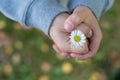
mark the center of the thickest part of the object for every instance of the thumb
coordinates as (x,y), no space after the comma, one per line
(75,19)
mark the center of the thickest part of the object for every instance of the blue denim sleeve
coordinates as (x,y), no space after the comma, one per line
(98,7)
(36,13)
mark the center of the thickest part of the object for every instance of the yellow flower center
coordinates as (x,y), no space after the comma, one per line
(77,38)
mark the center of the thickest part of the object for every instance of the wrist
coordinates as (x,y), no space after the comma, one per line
(58,22)
(59,19)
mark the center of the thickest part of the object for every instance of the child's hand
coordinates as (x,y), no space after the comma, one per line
(62,38)
(83,15)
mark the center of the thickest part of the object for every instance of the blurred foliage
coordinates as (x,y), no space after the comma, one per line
(26,54)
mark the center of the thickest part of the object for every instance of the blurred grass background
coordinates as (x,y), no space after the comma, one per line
(26,54)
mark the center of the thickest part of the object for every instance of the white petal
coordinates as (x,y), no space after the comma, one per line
(83,41)
(79,33)
(73,32)
(81,44)
(77,45)
(73,41)
(83,37)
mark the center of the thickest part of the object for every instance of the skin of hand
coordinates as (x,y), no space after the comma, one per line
(80,15)
(61,37)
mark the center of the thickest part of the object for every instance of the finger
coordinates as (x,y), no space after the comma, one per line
(81,57)
(80,49)
(94,44)
(88,33)
(56,49)
(95,40)
(60,52)
(93,47)
(85,29)
(74,20)
(84,56)
(67,55)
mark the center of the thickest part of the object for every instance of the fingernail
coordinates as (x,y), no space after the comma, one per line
(72,55)
(90,34)
(69,26)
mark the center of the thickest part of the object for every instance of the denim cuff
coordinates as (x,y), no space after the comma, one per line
(41,14)
(96,6)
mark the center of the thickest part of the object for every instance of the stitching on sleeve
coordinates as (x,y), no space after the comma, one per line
(26,12)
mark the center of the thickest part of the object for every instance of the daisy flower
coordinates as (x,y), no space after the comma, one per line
(77,38)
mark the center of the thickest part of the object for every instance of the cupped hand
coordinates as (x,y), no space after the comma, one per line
(79,16)
(61,37)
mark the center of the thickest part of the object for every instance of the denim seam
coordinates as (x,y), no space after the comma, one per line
(105,6)
(27,9)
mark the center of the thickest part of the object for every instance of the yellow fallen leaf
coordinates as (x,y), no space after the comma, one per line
(18,44)
(44,47)
(44,77)
(95,76)
(45,66)
(16,58)
(9,50)
(67,68)
(8,69)
(2,24)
